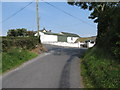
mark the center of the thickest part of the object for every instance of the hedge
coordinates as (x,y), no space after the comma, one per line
(20,42)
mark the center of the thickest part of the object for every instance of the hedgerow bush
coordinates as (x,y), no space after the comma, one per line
(20,42)
(101,69)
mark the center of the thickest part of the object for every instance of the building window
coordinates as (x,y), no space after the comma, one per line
(71,38)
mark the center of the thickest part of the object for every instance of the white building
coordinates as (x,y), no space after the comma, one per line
(48,36)
(71,38)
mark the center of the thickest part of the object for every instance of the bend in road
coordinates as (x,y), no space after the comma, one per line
(59,69)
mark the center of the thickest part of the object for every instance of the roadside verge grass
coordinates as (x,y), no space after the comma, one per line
(15,57)
(100,70)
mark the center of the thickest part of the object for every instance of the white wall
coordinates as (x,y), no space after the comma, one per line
(48,38)
(72,40)
(65,44)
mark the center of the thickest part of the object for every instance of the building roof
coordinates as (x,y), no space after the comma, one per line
(70,34)
(50,33)
(44,30)
(60,34)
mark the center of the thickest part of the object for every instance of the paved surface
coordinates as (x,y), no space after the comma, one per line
(57,68)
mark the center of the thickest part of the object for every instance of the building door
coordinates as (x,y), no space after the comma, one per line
(62,39)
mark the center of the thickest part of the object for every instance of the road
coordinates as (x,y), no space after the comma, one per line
(57,68)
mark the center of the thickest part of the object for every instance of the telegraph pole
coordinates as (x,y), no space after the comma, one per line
(37,17)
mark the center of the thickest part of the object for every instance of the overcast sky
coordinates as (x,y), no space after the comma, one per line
(50,18)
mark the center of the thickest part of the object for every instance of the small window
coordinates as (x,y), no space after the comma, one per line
(71,38)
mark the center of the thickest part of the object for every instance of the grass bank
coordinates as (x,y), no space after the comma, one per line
(15,57)
(100,70)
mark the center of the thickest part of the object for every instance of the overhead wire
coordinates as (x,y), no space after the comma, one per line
(68,13)
(16,12)
(50,5)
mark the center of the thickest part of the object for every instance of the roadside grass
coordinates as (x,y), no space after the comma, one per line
(15,57)
(100,70)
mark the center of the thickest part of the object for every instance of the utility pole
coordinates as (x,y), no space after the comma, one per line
(37,17)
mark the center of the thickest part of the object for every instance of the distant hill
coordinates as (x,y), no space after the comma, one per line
(86,39)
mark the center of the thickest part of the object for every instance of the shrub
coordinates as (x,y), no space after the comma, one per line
(101,68)
(20,42)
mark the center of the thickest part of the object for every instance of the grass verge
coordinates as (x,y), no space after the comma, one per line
(100,70)
(15,57)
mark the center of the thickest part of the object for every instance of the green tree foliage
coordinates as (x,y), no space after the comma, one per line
(20,32)
(17,32)
(30,33)
(12,32)
(107,15)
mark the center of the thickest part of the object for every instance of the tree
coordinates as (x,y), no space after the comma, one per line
(12,32)
(107,15)
(30,33)
(17,32)
(21,32)
(102,13)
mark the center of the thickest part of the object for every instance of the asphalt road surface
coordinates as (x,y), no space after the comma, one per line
(57,68)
